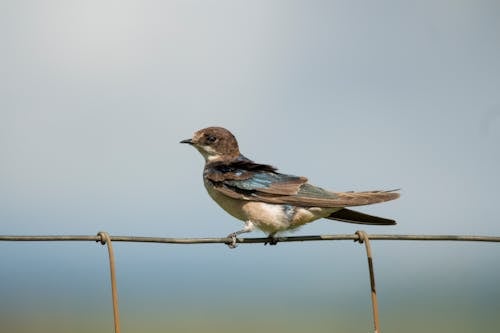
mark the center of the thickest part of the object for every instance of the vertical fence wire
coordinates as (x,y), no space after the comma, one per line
(104,238)
(363,238)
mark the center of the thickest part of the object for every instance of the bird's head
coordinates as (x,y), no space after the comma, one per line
(214,143)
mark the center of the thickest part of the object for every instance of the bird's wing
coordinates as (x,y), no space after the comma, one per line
(246,177)
(313,196)
(247,180)
(304,198)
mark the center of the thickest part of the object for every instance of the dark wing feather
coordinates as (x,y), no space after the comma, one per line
(239,169)
(247,177)
(269,183)
(246,180)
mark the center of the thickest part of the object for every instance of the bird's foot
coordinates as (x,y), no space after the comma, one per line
(232,244)
(271,241)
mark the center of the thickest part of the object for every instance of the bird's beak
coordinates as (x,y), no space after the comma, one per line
(188,141)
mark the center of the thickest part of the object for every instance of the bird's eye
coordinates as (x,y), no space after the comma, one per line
(211,139)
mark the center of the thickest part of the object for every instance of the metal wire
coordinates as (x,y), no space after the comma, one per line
(105,239)
(363,238)
(224,240)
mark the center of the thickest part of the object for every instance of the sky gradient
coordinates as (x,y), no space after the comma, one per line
(354,95)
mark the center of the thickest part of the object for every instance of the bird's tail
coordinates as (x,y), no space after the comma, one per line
(352,216)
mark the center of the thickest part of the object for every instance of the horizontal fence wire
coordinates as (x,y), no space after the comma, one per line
(225,240)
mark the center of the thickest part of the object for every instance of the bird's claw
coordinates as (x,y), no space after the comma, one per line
(271,241)
(232,244)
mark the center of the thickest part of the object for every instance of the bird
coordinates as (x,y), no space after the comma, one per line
(266,199)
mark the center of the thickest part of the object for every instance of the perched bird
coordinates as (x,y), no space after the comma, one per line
(268,200)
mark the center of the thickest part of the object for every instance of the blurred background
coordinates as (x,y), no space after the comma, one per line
(355,95)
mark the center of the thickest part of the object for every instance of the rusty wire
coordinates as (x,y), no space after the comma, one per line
(105,239)
(363,238)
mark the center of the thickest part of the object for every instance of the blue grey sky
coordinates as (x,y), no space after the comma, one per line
(355,95)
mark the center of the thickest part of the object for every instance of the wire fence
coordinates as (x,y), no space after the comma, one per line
(360,236)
